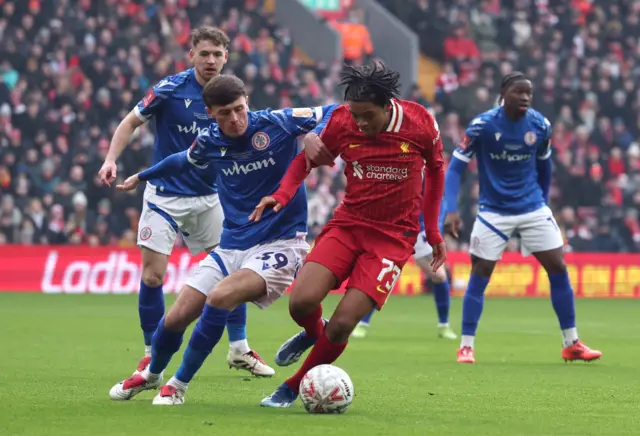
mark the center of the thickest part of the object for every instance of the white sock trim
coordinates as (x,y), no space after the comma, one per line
(181,386)
(467,341)
(569,336)
(241,346)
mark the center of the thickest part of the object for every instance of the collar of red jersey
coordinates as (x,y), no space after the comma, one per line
(397,113)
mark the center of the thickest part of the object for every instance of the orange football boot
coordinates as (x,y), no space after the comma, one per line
(579,351)
(465,355)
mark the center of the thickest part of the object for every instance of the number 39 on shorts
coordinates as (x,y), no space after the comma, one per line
(388,276)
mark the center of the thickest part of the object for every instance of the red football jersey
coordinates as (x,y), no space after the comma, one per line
(385,173)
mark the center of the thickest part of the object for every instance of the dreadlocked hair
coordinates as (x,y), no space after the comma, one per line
(375,82)
(507,81)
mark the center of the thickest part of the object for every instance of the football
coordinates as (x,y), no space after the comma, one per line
(326,389)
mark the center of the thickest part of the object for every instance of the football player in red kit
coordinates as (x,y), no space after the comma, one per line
(384,143)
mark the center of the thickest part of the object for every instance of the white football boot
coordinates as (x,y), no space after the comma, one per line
(250,361)
(129,388)
(169,396)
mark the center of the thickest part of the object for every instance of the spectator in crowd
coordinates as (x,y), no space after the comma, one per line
(356,40)
(583,57)
(71,69)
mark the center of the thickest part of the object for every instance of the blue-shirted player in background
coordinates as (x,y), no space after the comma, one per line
(512,144)
(185,202)
(256,261)
(440,288)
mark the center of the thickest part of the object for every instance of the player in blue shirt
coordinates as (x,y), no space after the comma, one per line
(186,202)
(256,261)
(512,144)
(441,290)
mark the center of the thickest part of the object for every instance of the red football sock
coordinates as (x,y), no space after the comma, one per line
(323,352)
(311,323)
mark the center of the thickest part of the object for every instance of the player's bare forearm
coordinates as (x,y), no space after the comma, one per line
(292,180)
(122,136)
(433,191)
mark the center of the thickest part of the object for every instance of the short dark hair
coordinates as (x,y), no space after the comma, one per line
(509,80)
(374,82)
(223,90)
(209,33)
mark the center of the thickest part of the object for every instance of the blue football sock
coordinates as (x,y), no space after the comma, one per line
(472,304)
(562,300)
(237,323)
(150,309)
(205,336)
(443,301)
(367,318)
(164,345)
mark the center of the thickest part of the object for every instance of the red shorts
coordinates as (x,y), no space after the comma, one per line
(372,261)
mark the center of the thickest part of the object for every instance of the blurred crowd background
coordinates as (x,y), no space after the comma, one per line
(70,70)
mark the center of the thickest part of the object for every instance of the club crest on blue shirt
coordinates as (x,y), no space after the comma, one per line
(260,141)
(530,138)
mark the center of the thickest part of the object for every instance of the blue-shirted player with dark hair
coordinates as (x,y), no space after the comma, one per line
(256,261)
(440,287)
(512,144)
(185,202)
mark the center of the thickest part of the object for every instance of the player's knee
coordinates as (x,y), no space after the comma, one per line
(179,318)
(187,308)
(152,277)
(439,276)
(340,327)
(553,261)
(300,306)
(482,267)
(222,297)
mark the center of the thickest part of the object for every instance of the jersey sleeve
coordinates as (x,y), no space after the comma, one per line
(332,131)
(155,99)
(544,150)
(433,180)
(203,150)
(301,120)
(432,152)
(470,141)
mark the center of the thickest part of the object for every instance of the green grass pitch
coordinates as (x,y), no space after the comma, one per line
(62,353)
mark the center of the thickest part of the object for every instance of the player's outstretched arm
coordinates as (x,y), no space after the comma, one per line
(433,191)
(544,164)
(451,188)
(170,165)
(121,138)
(545,168)
(316,151)
(291,182)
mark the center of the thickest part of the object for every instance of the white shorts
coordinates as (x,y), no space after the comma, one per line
(491,232)
(198,219)
(277,262)
(422,248)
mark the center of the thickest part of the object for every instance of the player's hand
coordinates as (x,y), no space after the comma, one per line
(108,172)
(452,223)
(316,153)
(130,184)
(439,256)
(266,202)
